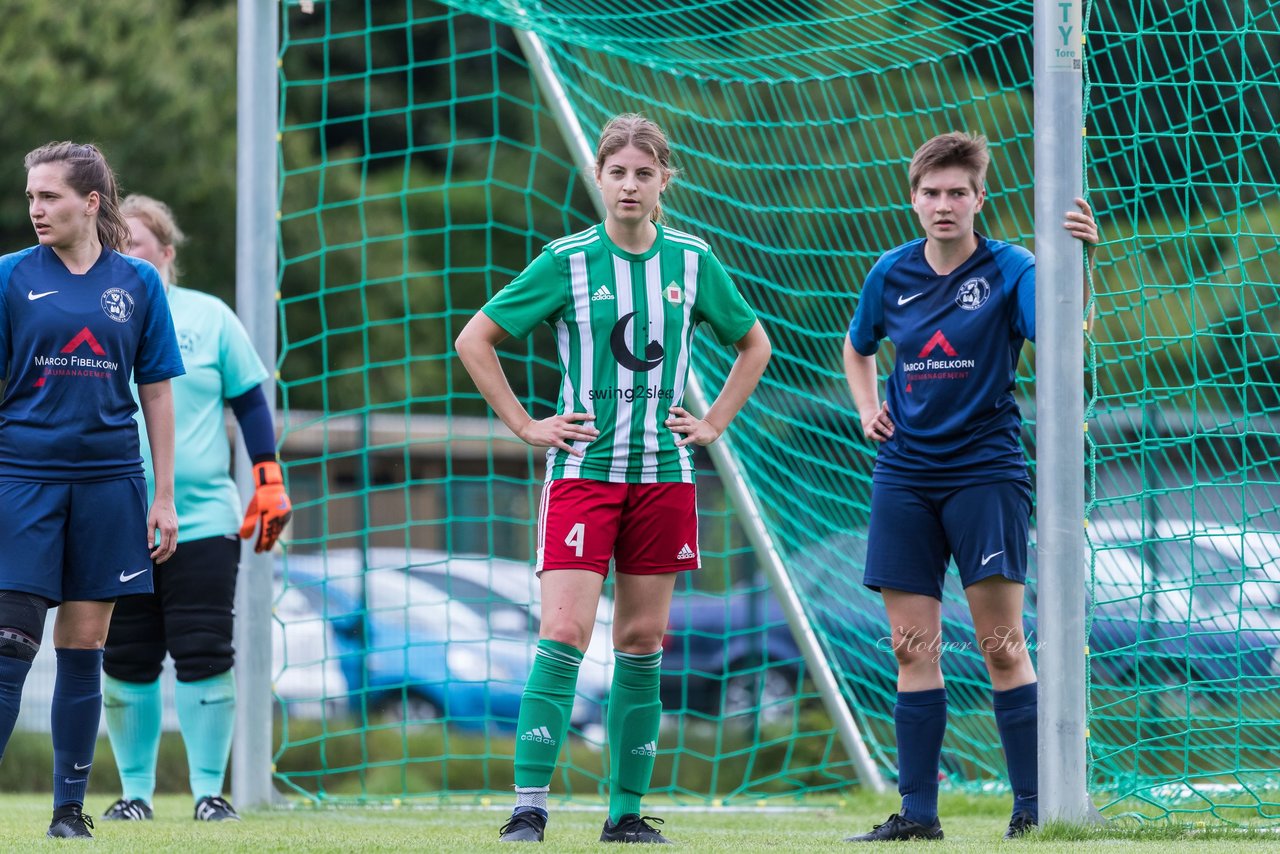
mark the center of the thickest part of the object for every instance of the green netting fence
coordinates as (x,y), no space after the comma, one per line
(1183,450)
(422,168)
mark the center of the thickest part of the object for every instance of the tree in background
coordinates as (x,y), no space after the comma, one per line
(150,81)
(153,82)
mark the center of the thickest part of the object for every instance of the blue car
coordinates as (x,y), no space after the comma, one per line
(730,655)
(408,648)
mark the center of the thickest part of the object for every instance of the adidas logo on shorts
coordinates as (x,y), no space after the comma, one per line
(602,292)
(540,734)
(686,553)
(650,749)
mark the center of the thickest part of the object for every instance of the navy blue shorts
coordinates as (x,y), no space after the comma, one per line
(75,542)
(915,531)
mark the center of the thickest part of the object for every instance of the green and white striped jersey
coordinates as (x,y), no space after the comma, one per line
(623,324)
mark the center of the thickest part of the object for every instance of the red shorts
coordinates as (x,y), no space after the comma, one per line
(647,528)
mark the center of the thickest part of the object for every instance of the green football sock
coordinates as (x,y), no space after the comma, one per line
(635,712)
(133,710)
(207,717)
(545,708)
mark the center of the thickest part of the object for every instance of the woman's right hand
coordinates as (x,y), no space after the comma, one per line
(559,430)
(879,426)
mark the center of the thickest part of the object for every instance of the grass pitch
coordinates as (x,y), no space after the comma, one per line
(972,824)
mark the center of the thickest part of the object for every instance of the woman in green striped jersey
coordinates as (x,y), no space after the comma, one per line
(623,299)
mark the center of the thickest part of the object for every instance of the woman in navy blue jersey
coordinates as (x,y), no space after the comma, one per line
(950,479)
(78,322)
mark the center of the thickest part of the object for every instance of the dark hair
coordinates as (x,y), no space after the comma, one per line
(635,130)
(159,220)
(88,172)
(966,150)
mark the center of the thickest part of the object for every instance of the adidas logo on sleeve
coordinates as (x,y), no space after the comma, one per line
(540,734)
(602,292)
(686,553)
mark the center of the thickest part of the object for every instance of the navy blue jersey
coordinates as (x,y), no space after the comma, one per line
(956,341)
(68,347)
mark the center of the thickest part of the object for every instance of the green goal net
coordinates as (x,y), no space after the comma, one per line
(1184,456)
(422,168)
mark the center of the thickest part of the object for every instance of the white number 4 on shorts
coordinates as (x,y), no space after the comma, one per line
(577,534)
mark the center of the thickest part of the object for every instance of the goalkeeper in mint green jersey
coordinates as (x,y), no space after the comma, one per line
(189,615)
(623,299)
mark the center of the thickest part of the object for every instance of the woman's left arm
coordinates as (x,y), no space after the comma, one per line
(157,411)
(754,351)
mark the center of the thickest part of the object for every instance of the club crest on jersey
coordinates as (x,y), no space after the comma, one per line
(117,304)
(973,294)
(674,294)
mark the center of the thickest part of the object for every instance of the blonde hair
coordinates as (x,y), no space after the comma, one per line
(635,130)
(88,172)
(159,220)
(965,150)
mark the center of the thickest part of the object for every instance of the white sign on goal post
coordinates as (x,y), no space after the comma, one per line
(1060,605)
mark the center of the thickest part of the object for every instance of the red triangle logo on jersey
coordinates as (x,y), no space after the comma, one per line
(938,340)
(83,336)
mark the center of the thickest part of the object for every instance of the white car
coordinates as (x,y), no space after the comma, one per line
(307,679)
(1190,571)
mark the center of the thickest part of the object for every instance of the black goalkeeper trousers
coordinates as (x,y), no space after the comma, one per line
(190,616)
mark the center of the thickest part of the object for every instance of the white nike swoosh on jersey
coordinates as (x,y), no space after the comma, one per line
(905,300)
(80,767)
(32,295)
(131,576)
(986,559)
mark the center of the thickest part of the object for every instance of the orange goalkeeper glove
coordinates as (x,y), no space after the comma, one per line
(270,504)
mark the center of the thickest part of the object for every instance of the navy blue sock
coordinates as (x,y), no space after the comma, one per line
(920,722)
(77,710)
(1016,719)
(13,673)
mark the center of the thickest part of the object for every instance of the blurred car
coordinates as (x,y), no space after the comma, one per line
(730,655)
(308,680)
(480,580)
(307,675)
(1195,607)
(1144,627)
(1185,602)
(429,636)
